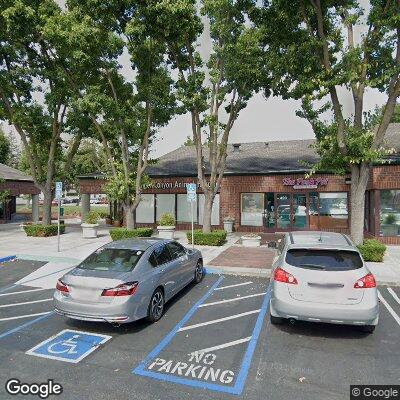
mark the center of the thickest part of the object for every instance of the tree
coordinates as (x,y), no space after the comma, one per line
(127,112)
(5,148)
(214,91)
(396,114)
(315,54)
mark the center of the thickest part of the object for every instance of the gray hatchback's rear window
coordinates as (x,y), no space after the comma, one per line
(120,260)
(324,260)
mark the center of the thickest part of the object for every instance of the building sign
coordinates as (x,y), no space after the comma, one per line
(165,185)
(302,183)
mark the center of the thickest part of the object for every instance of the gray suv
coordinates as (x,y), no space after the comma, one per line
(322,277)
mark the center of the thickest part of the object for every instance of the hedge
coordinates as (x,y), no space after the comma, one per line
(214,238)
(39,230)
(123,233)
(372,250)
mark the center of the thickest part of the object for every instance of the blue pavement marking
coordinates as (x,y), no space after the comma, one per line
(20,327)
(237,389)
(69,346)
(9,258)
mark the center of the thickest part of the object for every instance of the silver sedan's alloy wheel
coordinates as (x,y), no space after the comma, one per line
(156,306)
(199,272)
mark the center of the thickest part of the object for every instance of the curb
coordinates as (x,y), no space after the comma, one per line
(9,258)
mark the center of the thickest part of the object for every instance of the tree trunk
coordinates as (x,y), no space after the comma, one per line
(208,203)
(48,198)
(359,182)
(128,216)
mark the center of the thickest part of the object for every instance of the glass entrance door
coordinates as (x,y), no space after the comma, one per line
(284,211)
(291,211)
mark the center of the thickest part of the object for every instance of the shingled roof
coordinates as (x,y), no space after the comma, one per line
(12,174)
(283,156)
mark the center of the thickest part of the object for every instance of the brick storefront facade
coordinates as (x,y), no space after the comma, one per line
(233,186)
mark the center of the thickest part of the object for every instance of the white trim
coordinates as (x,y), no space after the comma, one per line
(25,316)
(75,361)
(231,286)
(216,321)
(223,346)
(393,293)
(25,302)
(390,309)
(230,300)
(22,291)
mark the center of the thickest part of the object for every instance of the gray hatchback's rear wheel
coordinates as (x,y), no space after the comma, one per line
(198,272)
(156,306)
(276,320)
(367,328)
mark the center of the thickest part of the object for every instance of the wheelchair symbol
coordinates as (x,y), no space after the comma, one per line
(65,346)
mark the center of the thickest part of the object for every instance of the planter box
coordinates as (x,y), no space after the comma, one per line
(248,241)
(89,231)
(228,226)
(166,232)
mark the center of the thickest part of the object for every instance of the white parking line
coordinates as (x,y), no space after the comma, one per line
(230,300)
(22,291)
(393,293)
(215,321)
(24,303)
(390,309)
(230,286)
(25,316)
(223,346)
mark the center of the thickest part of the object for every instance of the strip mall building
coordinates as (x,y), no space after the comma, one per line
(265,190)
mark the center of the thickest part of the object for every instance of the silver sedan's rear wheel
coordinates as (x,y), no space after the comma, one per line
(156,306)
(198,272)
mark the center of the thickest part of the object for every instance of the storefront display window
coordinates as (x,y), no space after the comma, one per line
(165,203)
(145,209)
(390,212)
(333,211)
(214,211)
(184,209)
(252,209)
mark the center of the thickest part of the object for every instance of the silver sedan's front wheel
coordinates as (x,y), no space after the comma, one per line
(156,306)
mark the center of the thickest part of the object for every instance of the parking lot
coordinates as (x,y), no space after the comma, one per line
(215,341)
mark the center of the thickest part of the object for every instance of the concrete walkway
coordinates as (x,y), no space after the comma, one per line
(14,242)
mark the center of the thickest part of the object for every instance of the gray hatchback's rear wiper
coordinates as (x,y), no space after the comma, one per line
(315,266)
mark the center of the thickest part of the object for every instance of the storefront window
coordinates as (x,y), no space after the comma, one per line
(145,209)
(165,203)
(333,213)
(252,209)
(184,210)
(390,212)
(270,210)
(1,210)
(214,211)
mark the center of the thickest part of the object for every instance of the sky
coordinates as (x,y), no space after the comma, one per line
(262,120)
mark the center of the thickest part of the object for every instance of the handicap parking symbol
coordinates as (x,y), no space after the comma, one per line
(69,346)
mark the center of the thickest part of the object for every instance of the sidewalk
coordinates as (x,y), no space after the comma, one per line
(388,272)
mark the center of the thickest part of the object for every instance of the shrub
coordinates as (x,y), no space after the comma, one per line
(92,218)
(38,230)
(372,250)
(103,214)
(167,219)
(390,219)
(123,233)
(214,238)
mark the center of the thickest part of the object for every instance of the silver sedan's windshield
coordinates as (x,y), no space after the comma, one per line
(121,260)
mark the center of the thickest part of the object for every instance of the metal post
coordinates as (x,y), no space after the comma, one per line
(58,225)
(191,205)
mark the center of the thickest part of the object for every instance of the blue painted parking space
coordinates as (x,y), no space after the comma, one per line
(212,347)
(69,345)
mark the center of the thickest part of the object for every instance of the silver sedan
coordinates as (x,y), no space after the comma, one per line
(127,280)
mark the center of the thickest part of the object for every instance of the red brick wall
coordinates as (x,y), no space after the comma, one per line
(19,187)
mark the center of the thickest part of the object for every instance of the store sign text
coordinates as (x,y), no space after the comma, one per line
(169,185)
(301,183)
